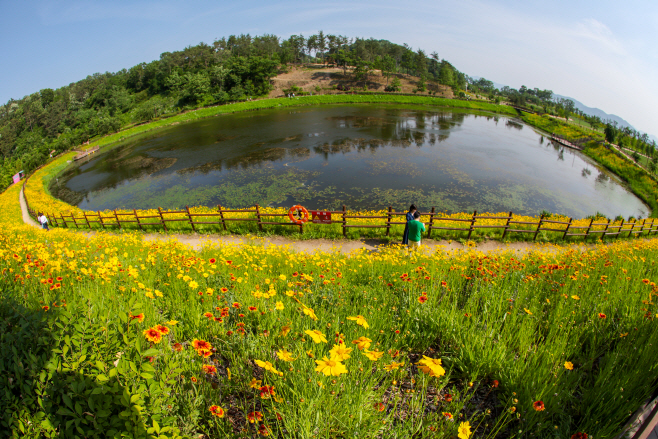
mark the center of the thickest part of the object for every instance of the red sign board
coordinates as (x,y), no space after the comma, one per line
(320,217)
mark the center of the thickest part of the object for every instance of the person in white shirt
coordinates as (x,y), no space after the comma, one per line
(43,220)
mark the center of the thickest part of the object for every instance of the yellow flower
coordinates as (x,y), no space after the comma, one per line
(279,306)
(431,366)
(193,284)
(575,297)
(171,322)
(568,365)
(393,366)
(340,353)
(255,384)
(309,312)
(285,330)
(282,277)
(316,335)
(362,343)
(360,320)
(284,355)
(330,367)
(527,311)
(158,293)
(268,366)
(373,355)
(464,430)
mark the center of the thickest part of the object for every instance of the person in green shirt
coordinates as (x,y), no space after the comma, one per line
(415,229)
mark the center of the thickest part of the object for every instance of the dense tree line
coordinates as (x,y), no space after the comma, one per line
(230,69)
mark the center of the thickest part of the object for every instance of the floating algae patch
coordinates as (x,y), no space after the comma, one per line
(361,156)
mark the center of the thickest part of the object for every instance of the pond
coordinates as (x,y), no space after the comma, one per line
(362,156)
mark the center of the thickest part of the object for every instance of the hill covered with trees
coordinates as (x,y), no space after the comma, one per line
(231,69)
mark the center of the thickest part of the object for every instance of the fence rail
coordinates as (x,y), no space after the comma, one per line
(508,224)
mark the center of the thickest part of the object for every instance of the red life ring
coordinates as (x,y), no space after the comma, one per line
(301,212)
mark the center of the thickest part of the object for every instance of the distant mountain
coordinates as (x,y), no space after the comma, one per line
(588,110)
(596,112)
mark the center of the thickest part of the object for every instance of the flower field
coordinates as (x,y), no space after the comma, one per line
(111,335)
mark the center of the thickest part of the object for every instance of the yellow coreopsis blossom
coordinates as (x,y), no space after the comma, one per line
(285,355)
(268,366)
(340,352)
(568,365)
(309,312)
(279,306)
(372,355)
(431,366)
(464,430)
(393,366)
(330,367)
(360,320)
(362,343)
(316,335)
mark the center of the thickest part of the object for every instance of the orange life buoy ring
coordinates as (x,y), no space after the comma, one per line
(301,211)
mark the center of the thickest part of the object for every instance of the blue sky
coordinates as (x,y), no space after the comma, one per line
(599,52)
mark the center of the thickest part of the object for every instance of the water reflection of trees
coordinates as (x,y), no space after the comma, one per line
(400,129)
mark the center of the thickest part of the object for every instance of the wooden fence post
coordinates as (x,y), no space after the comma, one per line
(100,218)
(564,236)
(589,228)
(388,221)
(117,218)
(162,219)
(76,223)
(53,220)
(260,226)
(470,230)
(84,213)
(541,220)
(429,228)
(50,220)
(631,229)
(344,221)
(137,219)
(621,226)
(605,230)
(509,218)
(63,220)
(221,215)
(190,217)
(644,222)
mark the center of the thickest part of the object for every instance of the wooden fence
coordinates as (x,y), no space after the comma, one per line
(222,217)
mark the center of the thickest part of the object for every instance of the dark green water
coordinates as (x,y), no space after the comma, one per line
(363,156)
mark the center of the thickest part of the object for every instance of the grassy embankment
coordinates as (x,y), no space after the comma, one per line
(99,334)
(638,180)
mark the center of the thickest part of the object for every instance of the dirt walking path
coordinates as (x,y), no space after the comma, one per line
(27,219)
(344,246)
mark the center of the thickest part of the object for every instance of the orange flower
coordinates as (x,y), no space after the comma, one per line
(139,317)
(447,397)
(223,290)
(263,430)
(495,383)
(646,281)
(208,315)
(177,347)
(152,335)
(266,392)
(205,353)
(212,260)
(422,299)
(46,308)
(209,369)
(253,308)
(193,379)
(602,316)
(217,411)
(380,407)
(538,406)
(236,305)
(201,344)
(255,417)
(162,329)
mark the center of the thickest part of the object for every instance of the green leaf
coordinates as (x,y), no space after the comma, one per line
(102,379)
(67,400)
(133,366)
(147,376)
(150,352)
(123,317)
(147,367)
